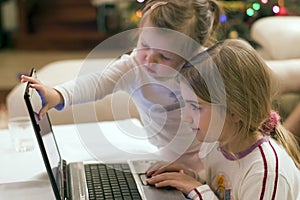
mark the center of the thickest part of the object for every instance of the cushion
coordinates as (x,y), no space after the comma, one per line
(279,36)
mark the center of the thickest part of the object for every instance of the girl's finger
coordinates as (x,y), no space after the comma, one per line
(38,87)
(153,168)
(29,79)
(43,111)
(166,168)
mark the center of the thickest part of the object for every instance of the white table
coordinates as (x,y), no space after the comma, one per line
(23,175)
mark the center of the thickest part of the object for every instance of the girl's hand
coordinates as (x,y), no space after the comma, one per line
(50,97)
(163,166)
(178,180)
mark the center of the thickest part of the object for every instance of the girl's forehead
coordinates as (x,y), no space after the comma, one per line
(158,39)
(167,40)
(187,92)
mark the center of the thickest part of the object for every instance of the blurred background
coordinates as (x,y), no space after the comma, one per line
(34,33)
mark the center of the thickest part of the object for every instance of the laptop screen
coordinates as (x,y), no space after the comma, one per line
(45,137)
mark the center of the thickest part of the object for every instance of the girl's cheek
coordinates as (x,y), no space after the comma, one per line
(139,58)
(141,54)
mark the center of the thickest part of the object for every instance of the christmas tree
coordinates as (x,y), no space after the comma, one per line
(240,15)
(236,21)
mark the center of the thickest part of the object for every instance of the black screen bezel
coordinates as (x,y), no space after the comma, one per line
(37,130)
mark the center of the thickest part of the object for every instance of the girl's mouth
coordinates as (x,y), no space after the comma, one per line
(195,129)
(149,70)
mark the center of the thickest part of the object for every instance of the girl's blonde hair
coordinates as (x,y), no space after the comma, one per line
(248,87)
(198,19)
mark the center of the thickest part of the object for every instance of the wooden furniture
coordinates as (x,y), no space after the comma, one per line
(57,25)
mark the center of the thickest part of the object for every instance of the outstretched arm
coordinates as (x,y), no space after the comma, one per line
(51,97)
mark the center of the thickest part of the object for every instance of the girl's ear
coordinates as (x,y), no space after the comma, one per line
(234,118)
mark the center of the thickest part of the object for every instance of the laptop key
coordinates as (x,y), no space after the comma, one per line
(113,181)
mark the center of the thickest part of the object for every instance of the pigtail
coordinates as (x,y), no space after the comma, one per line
(288,141)
(208,16)
(216,10)
(272,127)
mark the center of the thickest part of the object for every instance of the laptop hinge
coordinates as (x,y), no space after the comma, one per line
(77,182)
(64,180)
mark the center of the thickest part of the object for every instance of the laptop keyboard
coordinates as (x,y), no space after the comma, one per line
(111,181)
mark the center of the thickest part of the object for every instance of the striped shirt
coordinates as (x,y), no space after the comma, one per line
(263,171)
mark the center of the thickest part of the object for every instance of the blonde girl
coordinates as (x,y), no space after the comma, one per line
(231,87)
(170,32)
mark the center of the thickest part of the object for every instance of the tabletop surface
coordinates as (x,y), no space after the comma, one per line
(24,174)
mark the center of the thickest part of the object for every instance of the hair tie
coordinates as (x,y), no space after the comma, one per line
(270,124)
(158,4)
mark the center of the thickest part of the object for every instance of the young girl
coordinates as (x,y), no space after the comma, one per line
(231,88)
(171,32)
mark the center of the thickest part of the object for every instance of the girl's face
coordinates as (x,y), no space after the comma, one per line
(206,120)
(154,55)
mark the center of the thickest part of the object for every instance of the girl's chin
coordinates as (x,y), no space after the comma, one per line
(200,139)
(195,130)
(199,136)
(151,72)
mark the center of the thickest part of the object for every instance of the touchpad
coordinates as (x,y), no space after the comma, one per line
(143,178)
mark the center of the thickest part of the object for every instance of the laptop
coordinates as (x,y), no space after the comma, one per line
(90,180)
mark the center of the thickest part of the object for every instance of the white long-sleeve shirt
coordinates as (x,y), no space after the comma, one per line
(157,101)
(264,171)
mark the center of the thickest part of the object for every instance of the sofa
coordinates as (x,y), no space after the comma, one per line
(279,41)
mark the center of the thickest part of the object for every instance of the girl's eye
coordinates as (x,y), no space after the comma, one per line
(165,57)
(195,107)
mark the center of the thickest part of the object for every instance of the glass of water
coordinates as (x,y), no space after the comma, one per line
(22,133)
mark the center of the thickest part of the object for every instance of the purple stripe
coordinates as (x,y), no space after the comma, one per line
(276,177)
(265,173)
(198,193)
(244,153)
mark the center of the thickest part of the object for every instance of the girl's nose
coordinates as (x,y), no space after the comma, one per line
(151,56)
(186,117)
